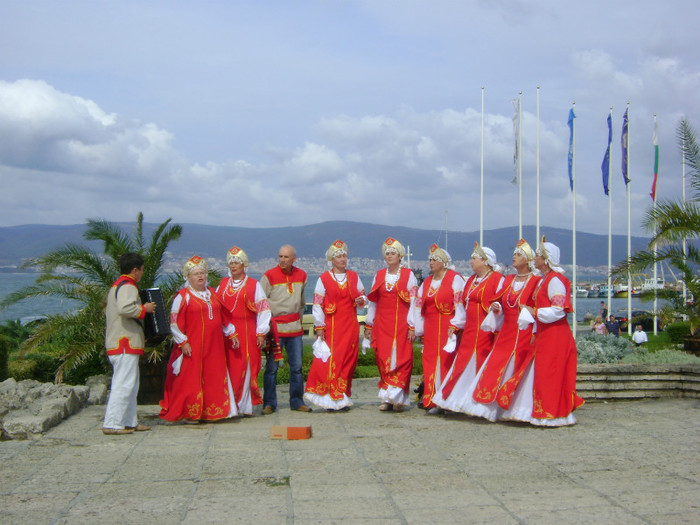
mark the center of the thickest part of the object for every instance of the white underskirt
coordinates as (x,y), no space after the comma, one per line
(395,396)
(326,402)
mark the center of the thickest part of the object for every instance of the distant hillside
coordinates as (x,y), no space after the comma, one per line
(18,243)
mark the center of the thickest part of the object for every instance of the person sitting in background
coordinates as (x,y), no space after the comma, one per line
(613,326)
(639,337)
(599,326)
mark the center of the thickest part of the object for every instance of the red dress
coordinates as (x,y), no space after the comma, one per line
(393,350)
(511,345)
(246,360)
(333,379)
(474,341)
(551,370)
(437,310)
(201,389)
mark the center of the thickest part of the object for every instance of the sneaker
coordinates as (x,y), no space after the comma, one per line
(267,410)
(435,411)
(384,407)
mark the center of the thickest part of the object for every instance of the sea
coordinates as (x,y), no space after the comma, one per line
(10,282)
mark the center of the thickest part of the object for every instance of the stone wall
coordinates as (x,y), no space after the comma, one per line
(601,382)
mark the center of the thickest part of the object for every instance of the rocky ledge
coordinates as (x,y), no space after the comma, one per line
(28,407)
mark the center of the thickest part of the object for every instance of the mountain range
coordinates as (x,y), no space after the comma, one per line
(19,243)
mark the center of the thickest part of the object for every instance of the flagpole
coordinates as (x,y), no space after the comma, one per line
(629,226)
(537,226)
(685,244)
(656,139)
(610,226)
(520,165)
(481,217)
(573,213)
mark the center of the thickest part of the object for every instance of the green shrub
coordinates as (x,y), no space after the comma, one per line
(676,331)
(666,356)
(5,347)
(595,348)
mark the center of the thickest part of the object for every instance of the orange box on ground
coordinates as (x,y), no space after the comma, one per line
(284,432)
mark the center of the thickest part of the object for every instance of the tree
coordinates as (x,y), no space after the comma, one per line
(670,222)
(76,272)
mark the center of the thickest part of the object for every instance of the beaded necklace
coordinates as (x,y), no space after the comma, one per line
(235,287)
(340,282)
(519,293)
(393,277)
(204,295)
(478,281)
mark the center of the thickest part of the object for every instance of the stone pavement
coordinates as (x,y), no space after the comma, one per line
(624,462)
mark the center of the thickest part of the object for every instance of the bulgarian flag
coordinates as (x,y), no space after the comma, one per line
(655,141)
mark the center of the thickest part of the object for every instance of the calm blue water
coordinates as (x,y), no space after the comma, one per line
(10,282)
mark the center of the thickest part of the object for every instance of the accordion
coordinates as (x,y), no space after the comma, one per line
(155,326)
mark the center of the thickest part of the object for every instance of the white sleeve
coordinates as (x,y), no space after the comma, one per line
(460,317)
(371,306)
(412,291)
(262,307)
(317,310)
(551,314)
(418,321)
(178,336)
(361,291)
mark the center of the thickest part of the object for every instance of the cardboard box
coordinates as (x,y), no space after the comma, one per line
(284,432)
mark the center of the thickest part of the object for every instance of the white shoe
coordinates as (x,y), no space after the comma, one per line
(435,411)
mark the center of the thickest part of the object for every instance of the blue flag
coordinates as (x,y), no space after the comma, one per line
(571,147)
(605,167)
(623,140)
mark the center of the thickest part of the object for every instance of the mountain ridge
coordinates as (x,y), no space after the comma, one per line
(19,243)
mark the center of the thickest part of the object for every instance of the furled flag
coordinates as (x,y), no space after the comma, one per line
(605,167)
(623,141)
(655,142)
(516,134)
(571,147)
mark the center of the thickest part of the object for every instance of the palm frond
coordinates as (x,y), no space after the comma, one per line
(76,258)
(115,240)
(672,221)
(691,153)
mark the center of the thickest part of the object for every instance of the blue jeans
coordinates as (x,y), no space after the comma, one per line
(293,345)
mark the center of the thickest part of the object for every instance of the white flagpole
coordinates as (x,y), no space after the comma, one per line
(656,139)
(610,185)
(629,229)
(520,165)
(537,218)
(573,212)
(685,245)
(481,218)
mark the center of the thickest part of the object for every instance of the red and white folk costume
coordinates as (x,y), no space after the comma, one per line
(546,393)
(250,314)
(512,345)
(438,308)
(474,344)
(200,389)
(389,317)
(336,297)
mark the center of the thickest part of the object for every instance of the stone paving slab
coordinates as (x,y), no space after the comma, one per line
(629,462)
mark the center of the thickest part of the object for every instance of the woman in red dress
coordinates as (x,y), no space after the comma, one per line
(390,327)
(337,295)
(513,344)
(196,385)
(439,313)
(250,313)
(545,394)
(475,343)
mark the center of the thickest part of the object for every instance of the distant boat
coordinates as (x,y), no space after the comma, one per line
(603,290)
(581,292)
(652,284)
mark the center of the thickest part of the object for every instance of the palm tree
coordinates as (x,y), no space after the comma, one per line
(77,273)
(670,222)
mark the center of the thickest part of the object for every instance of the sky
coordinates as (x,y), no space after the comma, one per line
(287,113)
